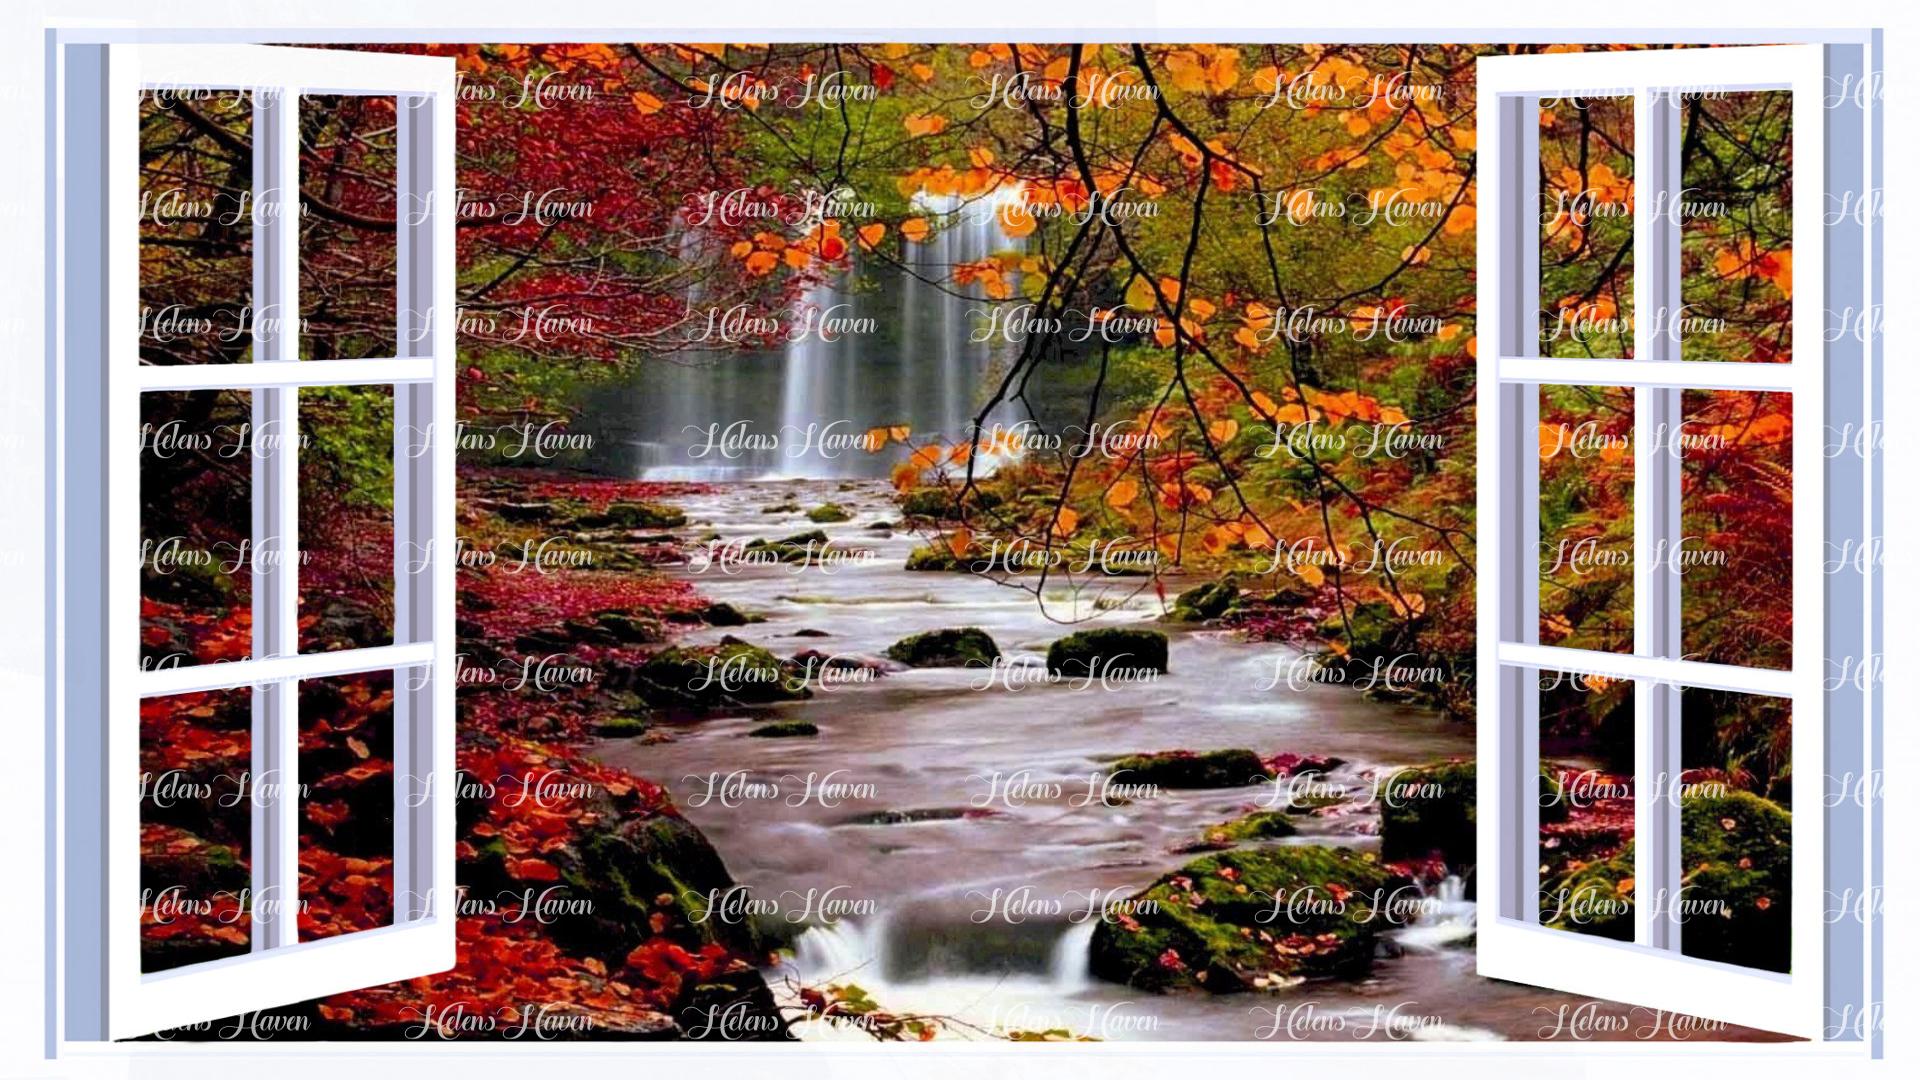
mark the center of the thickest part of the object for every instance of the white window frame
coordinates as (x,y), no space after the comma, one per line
(107,996)
(1829,381)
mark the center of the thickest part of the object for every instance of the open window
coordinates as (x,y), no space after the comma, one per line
(1646,324)
(191,578)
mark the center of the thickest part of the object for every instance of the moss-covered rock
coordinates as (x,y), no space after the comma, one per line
(1259,825)
(1736,859)
(800,547)
(966,646)
(1204,602)
(828,513)
(1211,924)
(628,629)
(723,614)
(784,729)
(620,727)
(1188,769)
(717,676)
(1090,653)
(632,515)
(1430,811)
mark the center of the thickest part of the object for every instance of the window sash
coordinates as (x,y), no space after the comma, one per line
(107,995)
(1511,943)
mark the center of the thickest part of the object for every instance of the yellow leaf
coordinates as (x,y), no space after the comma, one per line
(1123,492)
(1223,431)
(1309,573)
(1140,295)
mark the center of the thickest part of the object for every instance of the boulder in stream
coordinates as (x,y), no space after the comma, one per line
(966,646)
(1191,769)
(1211,925)
(1090,653)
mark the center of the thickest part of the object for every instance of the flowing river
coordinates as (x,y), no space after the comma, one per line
(935,843)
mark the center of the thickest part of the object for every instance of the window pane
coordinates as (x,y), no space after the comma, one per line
(1586,517)
(1736,822)
(1586,804)
(196,827)
(196,519)
(1586,227)
(197,207)
(346,517)
(348,193)
(1735,555)
(1735,213)
(346,804)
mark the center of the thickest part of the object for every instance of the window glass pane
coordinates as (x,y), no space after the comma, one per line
(1736,829)
(197,207)
(1735,554)
(196,827)
(1586,517)
(1586,227)
(1735,213)
(348,193)
(1586,804)
(346,804)
(196,520)
(346,517)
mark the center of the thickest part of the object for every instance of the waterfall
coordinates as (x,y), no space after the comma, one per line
(898,352)
(1072,967)
(1446,917)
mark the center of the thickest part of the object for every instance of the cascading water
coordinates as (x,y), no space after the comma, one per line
(1446,917)
(876,345)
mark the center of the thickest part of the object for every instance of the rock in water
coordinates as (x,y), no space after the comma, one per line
(1211,924)
(966,646)
(1091,653)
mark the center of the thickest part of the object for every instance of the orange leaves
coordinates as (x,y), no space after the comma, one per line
(647,103)
(1123,492)
(988,273)
(1203,69)
(877,438)
(914,229)
(1744,260)
(1065,521)
(871,235)
(1256,326)
(1223,430)
(1016,220)
(918,124)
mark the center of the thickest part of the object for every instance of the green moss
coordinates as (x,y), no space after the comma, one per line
(1204,602)
(1259,825)
(1106,650)
(967,646)
(1736,877)
(828,513)
(714,676)
(620,727)
(633,515)
(1212,923)
(1187,769)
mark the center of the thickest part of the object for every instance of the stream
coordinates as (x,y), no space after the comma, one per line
(939,843)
